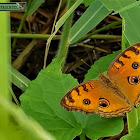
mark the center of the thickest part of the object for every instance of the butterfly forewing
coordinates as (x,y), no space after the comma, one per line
(125,73)
(82,98)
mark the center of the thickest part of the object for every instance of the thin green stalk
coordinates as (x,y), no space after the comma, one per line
(101,36)
(34,36)
(125,43)
(132,117)
(92,47)
(22,23)
(17,64)
(18,79)
(14,97)
(101,29)
(61,21)
(64,45)
(82,136)
(49,42)
(57,37)
(138,112)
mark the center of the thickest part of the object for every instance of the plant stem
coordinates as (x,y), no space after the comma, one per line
(52,30)
(57,37)
(18,79)
(64,44)
(92,47)
(14,97)
(17,64)
(4,75)
(22,23)
(138,112)
(82,136)
(102,36)
(34,36)
(125,43)
(132,117)
(101,29)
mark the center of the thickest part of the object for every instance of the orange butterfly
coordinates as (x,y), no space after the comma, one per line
(113,94)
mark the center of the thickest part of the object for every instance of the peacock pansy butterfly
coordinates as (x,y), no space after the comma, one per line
(113,94)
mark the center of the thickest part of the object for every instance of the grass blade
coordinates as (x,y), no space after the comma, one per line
(93,15)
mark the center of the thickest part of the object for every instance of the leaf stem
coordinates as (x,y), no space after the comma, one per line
(4,75)
(64,44)
(22,23)
(125,42)
(82,136)
(57,37)
(18,79)
(101,29)
(34,36)
(14,97)
(17,64)
(132,117)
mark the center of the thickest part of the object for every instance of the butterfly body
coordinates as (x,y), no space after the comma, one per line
(113,94)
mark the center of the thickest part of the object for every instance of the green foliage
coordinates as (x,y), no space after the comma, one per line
(14,124)
(18,79)
(63,50)
(131,19)
(92,16)
(87,2)
(42,98)
(19,126)
(4,75)
(61,21)
(42,101)
(134,134)
(127,7)
(35,4)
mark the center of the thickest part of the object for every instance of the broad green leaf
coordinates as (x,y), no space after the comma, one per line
(100,66)
(127,7)
(93,16)
(95,127)
(130,16)
(42,99)
(116,4)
